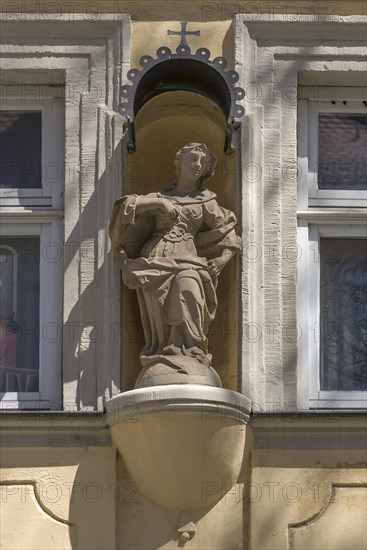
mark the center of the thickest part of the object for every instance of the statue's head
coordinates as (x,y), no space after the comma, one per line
(208,161)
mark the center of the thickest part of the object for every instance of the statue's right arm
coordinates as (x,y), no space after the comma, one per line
(146,204)
(155,206)
(128,230)
(129,206)
(125,210)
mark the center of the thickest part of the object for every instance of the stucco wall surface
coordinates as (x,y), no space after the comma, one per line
(59,496)
(302,486)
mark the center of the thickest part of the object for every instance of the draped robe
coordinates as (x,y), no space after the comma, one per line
(166,263)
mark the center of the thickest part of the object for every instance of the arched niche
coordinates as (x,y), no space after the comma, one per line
(182,71)
(163,125)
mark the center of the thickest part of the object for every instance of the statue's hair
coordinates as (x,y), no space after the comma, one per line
(210,161)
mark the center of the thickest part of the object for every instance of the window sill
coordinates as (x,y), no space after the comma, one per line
(331,214)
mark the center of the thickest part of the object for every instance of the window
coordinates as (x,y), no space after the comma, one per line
(31,142)
(333,146)
(337,314)
(19,316)
(31,194)
(20,145)
(332,279)
(343,314)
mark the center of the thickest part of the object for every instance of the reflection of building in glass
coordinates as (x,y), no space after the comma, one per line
(343,319)
(19,279)
(342,151)
(8,309)
(8,277)
(21,149)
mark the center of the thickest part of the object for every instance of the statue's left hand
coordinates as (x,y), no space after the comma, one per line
(215,266)
(121,256)
(166,208)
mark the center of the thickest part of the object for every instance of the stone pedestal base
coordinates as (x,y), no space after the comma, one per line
(184,370)
(180,441)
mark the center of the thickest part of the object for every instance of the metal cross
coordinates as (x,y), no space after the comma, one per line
(183,33)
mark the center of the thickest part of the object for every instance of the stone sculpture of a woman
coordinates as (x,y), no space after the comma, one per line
(172,246)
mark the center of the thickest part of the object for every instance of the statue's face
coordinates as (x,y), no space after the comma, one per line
(193,164)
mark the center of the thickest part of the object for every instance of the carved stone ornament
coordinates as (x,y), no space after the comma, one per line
(210,75)
(171,247)
(183,70)
(198,434)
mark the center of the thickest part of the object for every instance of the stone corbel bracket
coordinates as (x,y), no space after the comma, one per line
(182,444)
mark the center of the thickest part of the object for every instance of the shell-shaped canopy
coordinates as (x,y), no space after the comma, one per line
(183,74)
(182,71)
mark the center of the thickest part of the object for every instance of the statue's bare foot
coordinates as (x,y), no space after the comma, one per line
(170,350)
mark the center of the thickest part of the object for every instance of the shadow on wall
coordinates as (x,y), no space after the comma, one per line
(93,498)
(92,334)
(142,523)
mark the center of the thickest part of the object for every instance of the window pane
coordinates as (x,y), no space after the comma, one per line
(342,152)
(20,149)
(19,314)
(343,314)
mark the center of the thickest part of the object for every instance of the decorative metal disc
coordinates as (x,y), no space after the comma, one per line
(228,79)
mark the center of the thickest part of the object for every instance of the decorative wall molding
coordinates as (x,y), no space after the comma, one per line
(94,69)
(340,523)
(46,429)
(38,498)
(28,520)
(271,53)
(321,429)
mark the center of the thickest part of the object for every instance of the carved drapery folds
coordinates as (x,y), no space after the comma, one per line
(172,246)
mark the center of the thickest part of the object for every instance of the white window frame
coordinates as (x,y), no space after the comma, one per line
(50,233)
(39,213)
(308,114)
(321,213)
(309,301)
(50,194)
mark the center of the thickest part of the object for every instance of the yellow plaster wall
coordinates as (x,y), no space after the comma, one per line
(217,36)
(81,498)
(58,498)
(285,500)
(27,523)
(340,524)
(144,525)
(308,500)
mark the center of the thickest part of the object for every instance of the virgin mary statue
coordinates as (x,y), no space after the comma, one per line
(172,246)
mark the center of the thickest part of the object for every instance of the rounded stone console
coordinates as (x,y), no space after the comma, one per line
(182,445)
